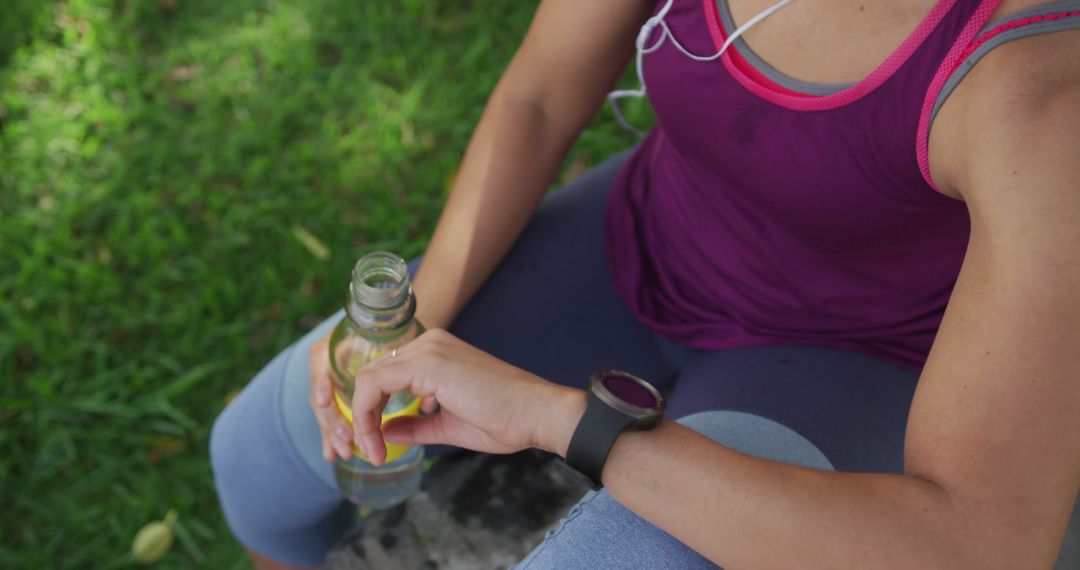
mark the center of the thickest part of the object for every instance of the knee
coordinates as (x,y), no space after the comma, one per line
(241,455)
(227,456)
(248,424)
(223,440)
(271,504)
(758,436)
(242,441)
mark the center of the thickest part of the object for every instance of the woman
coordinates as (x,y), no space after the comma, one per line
(859,209)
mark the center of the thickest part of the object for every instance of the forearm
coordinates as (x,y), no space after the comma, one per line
(744,512)
(512,158)
(571,57)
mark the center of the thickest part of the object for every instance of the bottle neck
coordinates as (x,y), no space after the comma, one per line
(380,294)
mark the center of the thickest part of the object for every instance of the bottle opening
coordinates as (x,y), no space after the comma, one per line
(380,281)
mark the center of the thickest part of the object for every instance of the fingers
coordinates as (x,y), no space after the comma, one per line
(417,430)
(321,386)
(404,370)
(343,442)
(322,391)
(336,437)
(429,405)
(368,433)
(373,388)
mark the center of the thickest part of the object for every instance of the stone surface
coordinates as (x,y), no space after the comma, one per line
(1069,557)
(489,511)
(473,511)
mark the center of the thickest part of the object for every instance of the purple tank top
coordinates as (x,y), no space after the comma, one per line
(752,214)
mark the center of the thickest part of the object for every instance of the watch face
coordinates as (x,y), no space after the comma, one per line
(628,394)
(629,391)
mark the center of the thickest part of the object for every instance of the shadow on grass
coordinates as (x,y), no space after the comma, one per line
(21,21)
(154,156)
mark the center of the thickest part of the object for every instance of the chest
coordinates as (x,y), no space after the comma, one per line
(829,41)
(837,41)
(836,173)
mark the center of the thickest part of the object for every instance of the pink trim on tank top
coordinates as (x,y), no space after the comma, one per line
(755,82)
(953,59)
(758,77)
(1011,26)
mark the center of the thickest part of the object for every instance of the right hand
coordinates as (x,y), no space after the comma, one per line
(487,404)
(336,433)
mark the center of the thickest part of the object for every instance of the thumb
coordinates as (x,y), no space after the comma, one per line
(417,430)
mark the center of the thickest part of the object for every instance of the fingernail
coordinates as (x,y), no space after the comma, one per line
(343,450)
(372,443)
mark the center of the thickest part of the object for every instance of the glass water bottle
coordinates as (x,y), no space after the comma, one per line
(378,319)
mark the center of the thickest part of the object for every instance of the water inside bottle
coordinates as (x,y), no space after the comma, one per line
(380,487)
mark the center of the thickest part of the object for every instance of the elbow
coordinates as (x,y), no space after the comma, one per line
(561,112)
(991,542)
(521,103)
(987,555)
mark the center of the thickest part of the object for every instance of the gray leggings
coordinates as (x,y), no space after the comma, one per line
(550,308)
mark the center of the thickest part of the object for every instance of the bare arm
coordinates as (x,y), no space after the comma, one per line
(571,57)
(993,446)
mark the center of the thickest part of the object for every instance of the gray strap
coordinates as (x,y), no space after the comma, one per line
(592,440)
(1024,31)
(1048,8)
(766,69)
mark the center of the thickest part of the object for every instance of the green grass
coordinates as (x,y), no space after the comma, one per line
(155,158)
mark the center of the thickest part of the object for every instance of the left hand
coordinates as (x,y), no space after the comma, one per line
(486,404)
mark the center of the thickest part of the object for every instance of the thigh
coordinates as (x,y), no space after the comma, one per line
(550,307)
(851,406)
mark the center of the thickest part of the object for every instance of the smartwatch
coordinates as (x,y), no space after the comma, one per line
(616,401)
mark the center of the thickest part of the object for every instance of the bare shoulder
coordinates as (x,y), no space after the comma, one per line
(1023,96)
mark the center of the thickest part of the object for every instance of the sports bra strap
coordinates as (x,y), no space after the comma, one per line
(1042,19)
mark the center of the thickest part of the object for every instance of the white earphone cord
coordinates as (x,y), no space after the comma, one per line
(665,33)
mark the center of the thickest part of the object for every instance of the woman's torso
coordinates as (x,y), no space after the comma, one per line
(757,212)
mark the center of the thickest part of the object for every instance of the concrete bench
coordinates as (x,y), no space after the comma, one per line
(489,511)
(473,511)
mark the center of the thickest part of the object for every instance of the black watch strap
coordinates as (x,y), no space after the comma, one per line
(592,440)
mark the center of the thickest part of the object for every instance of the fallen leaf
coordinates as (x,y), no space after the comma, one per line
(165,447)
(184,73)
(314,245)
(154,539)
